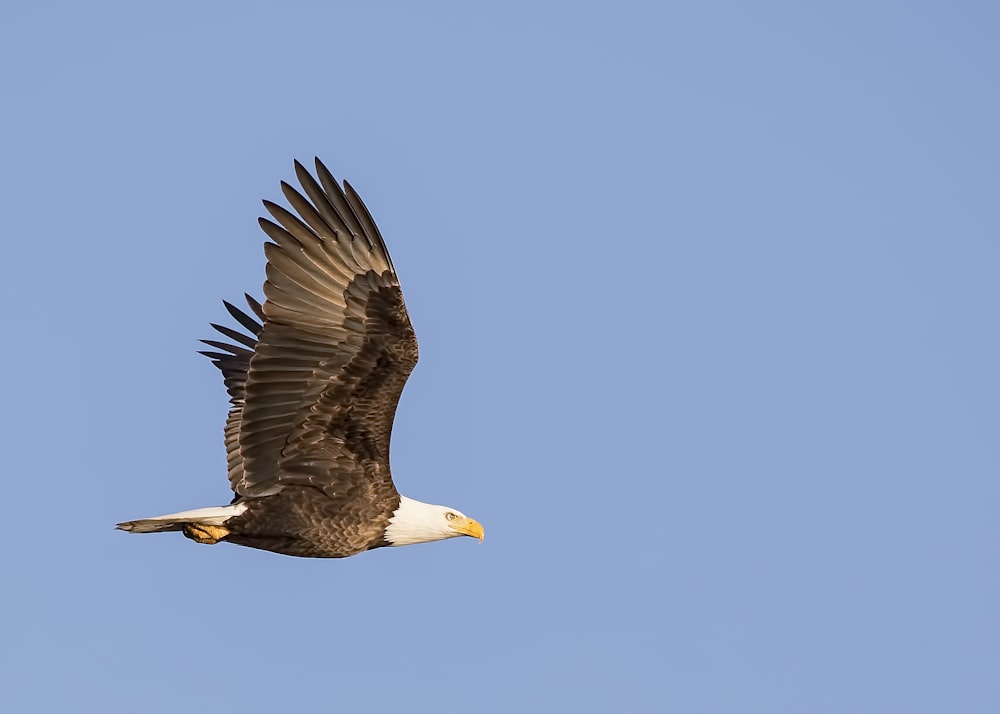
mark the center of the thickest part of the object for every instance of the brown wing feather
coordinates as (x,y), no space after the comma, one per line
(334,352)
(234,361)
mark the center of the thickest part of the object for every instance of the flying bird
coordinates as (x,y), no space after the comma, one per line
(313,383)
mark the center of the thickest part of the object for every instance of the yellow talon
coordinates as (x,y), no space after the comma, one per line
(202,533)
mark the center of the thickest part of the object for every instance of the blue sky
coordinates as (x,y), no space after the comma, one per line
(707,302)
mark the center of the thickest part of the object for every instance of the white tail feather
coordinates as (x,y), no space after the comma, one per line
(214,516)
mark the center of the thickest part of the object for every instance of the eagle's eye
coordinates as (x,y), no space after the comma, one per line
(450,516)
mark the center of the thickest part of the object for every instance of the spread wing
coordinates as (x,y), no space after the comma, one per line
(234,362)
(314,395)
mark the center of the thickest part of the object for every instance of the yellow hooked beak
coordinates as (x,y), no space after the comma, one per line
(469,527)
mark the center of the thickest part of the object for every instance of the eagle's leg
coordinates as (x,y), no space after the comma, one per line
(204,533)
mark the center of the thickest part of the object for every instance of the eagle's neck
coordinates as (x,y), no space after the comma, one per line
(417,522)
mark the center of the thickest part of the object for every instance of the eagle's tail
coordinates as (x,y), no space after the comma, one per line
(205,525)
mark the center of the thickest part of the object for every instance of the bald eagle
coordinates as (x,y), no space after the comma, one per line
(313,389)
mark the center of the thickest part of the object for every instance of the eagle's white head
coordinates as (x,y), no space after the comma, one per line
(416,522)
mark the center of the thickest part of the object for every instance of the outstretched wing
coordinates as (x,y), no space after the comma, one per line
(332,356)
(234,362)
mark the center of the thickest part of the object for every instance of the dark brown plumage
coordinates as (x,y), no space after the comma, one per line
(313,387)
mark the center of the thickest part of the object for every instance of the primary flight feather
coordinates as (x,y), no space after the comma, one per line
(314,388)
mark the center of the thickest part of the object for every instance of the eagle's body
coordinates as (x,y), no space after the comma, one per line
(314,388)
(303,521)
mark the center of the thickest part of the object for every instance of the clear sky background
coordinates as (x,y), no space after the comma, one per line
(707,298)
